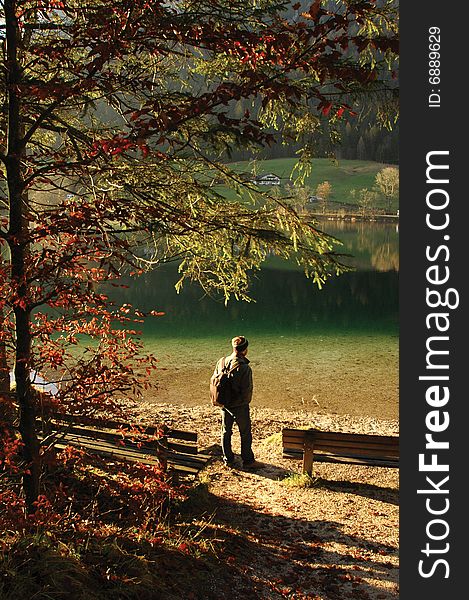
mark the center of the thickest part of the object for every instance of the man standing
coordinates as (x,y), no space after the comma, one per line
(238,409)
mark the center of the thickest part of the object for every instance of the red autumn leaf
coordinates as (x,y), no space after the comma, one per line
(315,7)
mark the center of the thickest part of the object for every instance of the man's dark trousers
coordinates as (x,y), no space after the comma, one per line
(242,416)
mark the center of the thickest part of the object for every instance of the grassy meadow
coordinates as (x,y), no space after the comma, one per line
(343,175)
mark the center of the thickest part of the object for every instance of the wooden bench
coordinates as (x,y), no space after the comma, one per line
(172,449)
(338,447)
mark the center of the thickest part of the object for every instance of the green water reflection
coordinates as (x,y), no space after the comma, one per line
(286,302)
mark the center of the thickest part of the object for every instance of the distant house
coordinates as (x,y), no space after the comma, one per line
(313,199)
(267,179)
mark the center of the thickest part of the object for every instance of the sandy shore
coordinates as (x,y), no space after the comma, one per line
(316,380)
(266,421)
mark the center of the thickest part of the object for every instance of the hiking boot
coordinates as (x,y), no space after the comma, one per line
(231,464)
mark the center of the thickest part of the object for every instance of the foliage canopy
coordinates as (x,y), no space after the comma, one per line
(117,117)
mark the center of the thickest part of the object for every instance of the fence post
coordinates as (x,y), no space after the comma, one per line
(308,452)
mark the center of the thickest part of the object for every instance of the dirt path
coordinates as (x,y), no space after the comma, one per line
(335,540)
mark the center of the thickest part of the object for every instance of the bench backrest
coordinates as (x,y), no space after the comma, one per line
(152,445)
(112,430)
(385,447)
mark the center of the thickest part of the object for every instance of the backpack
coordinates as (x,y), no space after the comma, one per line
(221,390)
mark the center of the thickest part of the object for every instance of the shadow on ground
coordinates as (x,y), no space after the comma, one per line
(220,549)
(367,490)
(275,556)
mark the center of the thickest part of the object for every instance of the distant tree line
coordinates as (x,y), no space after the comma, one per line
(367,141)
(357,138)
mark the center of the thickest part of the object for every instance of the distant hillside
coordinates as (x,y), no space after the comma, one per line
(343,175)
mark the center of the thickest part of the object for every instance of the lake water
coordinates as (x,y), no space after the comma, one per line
(332,350)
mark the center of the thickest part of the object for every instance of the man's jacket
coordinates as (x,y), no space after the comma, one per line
(241,378)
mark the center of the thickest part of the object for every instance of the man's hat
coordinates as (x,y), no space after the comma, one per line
(239,343)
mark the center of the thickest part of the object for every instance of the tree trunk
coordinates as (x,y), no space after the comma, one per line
(4,372)
(4,366)
(27,424)
(4,369)
(19,243)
